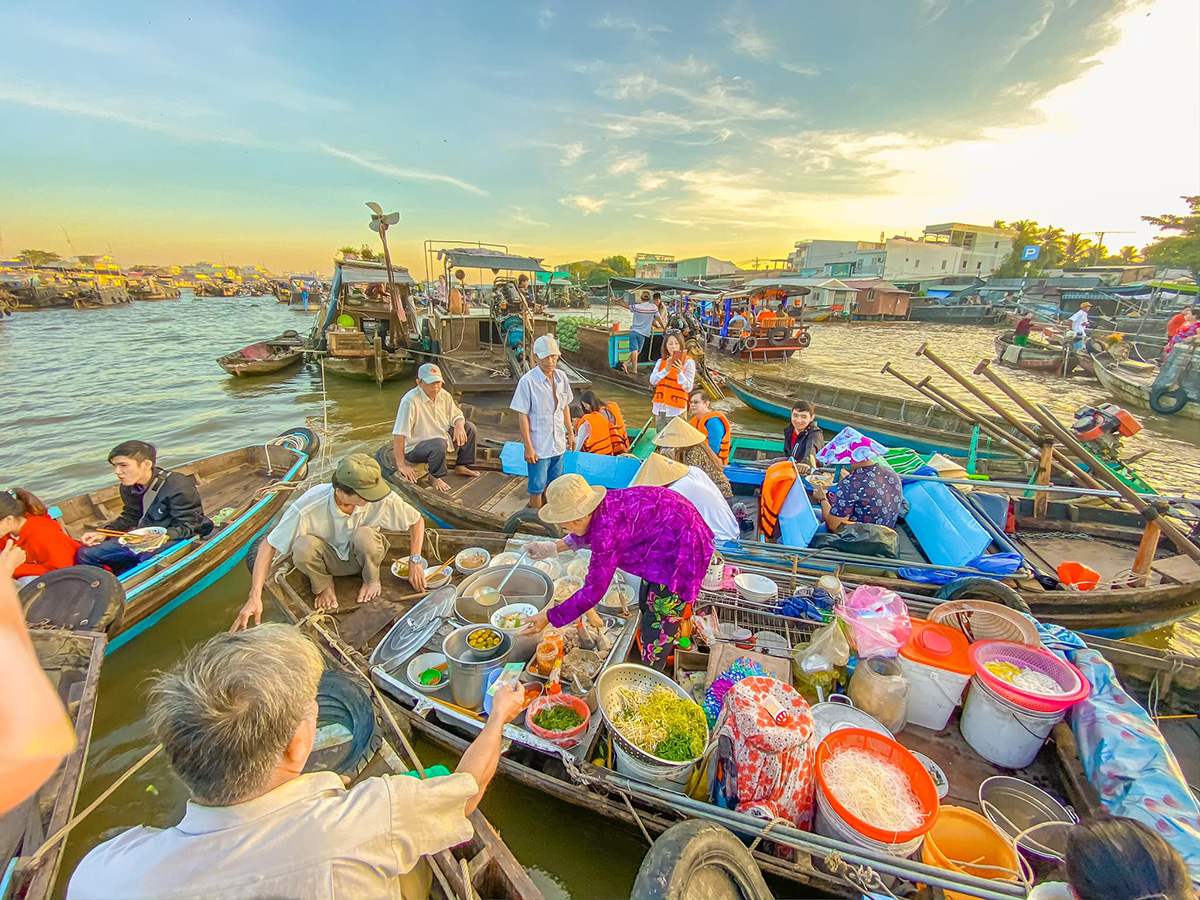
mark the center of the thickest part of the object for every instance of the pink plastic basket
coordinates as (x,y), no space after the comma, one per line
(1074,686)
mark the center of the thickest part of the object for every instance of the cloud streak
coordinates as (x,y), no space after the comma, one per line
(585,204)
(399,172)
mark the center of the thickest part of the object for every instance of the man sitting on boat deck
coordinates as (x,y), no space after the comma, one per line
(337,529)
(691,483)
(238,719)
(151,497)
(428,425)
(650,532)
(689,446)
(870,493)
(543,401)
(802,436)
(601,427)
(714,425)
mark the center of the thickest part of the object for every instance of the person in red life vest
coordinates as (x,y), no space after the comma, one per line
(714,425)
(601,428)
(673,377)
(25,523)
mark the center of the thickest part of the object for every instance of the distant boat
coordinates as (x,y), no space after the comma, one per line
(1048,360)
(265,357)
(360,336)
(1178,393)
(927,309)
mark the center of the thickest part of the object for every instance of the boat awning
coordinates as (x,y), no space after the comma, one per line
(659,284)
(483,258)
(800,282)
(359,271)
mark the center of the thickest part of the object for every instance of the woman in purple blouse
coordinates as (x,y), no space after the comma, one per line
(651,532)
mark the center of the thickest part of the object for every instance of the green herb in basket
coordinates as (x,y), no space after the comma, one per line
(677,747)
(557,718)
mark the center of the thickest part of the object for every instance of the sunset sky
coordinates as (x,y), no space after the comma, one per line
(568,130)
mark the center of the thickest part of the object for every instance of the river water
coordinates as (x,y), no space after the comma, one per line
(80,382)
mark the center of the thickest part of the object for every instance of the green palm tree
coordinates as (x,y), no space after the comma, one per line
(1129,255)
(1051,242)
(1076,250)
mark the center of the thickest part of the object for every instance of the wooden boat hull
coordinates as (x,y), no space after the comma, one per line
(1134,390)
(953,314)
(251,482)
(1038,359)
(370,368)
(72,661)
(601,356)
(242,367)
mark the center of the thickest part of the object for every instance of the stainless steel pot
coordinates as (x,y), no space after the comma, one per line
(467,673)
(531,585)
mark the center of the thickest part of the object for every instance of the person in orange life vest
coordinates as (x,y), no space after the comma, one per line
(714,425)
(673,377)
(25,523)
(601,428)
(688,445)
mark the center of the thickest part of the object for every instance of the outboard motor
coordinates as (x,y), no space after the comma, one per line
(1100,428)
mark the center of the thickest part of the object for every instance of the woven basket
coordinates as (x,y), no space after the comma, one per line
(638,678)
(983,620)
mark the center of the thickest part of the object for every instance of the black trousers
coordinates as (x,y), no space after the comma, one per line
(433,453)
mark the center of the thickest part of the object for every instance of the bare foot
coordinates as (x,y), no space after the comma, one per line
(466,472)
(327,599)
(440,485)
(369,592)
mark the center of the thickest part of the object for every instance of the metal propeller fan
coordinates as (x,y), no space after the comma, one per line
(380,221)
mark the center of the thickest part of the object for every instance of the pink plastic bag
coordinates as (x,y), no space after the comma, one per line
(877,619)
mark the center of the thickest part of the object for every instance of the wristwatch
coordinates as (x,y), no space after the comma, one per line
(417,560)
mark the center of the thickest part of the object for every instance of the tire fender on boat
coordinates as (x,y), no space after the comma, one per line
(692,854)
(77,598)
(803,339)
(980,588)
(1167,400)
(526,521)
(304,440)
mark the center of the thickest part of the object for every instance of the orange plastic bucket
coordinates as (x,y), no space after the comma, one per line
(964,841)
(1077,575)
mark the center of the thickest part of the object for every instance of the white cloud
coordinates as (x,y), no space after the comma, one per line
(545,17)
(571,153)
(933,10)
(652,181)
(1031,34)
(586,205)
(747,40)
(798,69)
(383,168)
(522,217)
(690,67)
(587,67)
(624,165)
(636,29)
(729,99)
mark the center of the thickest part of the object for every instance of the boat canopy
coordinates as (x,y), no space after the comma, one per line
(798,282)
(659,284)
(361,271)
(483,258)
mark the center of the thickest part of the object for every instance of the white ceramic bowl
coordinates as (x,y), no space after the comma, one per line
(756,587)
(551,567)
(564,587)
(469,553)
(508,558)
(578,568)
(525,609)
(423,661)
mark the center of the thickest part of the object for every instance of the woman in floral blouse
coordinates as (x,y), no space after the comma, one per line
(869,493)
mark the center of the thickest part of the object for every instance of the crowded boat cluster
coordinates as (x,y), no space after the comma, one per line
(879,649)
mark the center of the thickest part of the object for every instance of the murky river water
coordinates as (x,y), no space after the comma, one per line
(79,382)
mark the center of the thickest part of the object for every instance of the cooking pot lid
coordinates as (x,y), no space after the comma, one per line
(415,627)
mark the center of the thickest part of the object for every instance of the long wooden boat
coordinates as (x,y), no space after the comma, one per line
(243,490)
(71,661)
(1131,387)
(893,421)
(585,776)
(922,309)
(357,336)
(265,357)
(1045,360)
(601,354)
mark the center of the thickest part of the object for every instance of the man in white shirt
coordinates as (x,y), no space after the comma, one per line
(543,399)
(1079,322)
(694,485)
(428,425)
(238,718)
(337,529)
(645,316)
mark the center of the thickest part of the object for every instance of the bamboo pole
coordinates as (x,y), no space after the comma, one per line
(1045,461)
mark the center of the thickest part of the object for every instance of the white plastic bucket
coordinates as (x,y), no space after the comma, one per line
(828,823)
(1001,731)
(933,693)
(672,778)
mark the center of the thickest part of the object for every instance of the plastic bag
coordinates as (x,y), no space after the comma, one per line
(862,538)
(878,620)
(817,666)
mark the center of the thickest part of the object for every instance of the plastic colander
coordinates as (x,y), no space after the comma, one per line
(1071,682)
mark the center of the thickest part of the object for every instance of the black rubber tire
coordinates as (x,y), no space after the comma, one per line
(252,552)
(694,849)
(77,598)
(750,343)
(310,442)
(1095,346)
(980,588)
(803,339)
(527,522)
(343,700)
(1167,400)
(779,335)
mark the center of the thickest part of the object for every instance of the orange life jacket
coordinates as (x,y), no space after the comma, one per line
(776,483)
(606,432)
(699,423)
(620,434)
(668,391)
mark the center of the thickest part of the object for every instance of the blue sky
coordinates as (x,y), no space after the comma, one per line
(255,133)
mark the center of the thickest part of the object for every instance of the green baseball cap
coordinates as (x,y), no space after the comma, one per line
(362,474)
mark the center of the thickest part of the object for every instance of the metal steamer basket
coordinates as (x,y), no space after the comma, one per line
(638,678)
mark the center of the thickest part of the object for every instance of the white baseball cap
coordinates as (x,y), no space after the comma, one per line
(430,374)
(546,345)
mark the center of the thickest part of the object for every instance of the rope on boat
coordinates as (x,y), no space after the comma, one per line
(864,878)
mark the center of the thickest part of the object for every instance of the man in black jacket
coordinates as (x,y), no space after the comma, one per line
(151,497)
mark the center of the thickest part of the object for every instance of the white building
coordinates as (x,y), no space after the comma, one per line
(942,250)
(813,254)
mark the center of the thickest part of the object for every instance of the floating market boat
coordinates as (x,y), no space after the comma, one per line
(769,339)
(1060,360)
(242,491)
(596,773)
(483,351)
(1173,390)
(361,333)
(265,357)
(71,661)
(930,309)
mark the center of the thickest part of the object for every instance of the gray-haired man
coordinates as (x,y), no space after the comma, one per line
(238,735)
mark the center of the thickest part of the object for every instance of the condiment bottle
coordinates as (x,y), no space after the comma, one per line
(547,654)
